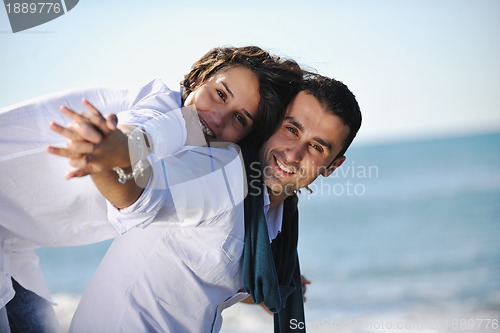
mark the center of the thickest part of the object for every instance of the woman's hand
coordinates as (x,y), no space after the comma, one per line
(86,144)
(305,282)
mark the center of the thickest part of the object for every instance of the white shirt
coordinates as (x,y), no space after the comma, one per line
(39,207)
(175,274)
(179,273)
(274,216)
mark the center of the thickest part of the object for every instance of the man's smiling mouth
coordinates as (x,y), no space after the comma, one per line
(283,167)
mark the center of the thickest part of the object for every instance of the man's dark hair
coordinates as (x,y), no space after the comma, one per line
(338,99)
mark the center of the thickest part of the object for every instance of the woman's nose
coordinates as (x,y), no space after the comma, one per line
(218,118)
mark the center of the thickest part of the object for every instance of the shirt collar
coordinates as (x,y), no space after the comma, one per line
(274,216)
(267,200)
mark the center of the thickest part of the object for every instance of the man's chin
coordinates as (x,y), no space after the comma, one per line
(273,186)
(280,189)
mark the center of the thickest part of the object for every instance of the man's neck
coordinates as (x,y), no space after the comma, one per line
(275,199)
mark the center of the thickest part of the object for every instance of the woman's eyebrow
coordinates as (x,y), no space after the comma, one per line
(227,88)
(248,114)
(245,111)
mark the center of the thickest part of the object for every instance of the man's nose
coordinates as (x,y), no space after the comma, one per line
(296,152)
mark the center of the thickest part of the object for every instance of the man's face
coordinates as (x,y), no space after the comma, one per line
(303,146)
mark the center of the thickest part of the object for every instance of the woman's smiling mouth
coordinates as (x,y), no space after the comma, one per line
(205,128)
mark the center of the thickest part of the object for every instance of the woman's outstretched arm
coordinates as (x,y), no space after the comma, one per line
(95,146)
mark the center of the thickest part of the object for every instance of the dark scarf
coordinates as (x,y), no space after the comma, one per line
(271,272)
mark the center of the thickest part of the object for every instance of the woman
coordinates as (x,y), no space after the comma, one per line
(82,219)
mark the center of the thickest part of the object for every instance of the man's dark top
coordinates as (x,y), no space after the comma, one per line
(271,272)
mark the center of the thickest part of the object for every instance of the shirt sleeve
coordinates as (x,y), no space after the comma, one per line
(156,110)
(142,212)
(24,127)
(194,185)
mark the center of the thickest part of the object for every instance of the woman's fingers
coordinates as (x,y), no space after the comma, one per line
(80,147)
(96,118)
(63,152)
(92,125)
(111,121)
(88,132)
(305,282)
(64,131)
(75,116)
(78,150)
(78,132)
(79,162)
(83,135)
(79,172)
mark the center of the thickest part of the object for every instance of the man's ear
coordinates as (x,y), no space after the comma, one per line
(335,164)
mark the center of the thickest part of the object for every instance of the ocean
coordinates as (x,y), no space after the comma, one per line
(404,237)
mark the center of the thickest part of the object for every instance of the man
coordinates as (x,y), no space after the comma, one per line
(319,125)
(179,277)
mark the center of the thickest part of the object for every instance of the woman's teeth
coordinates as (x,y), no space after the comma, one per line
(206,130)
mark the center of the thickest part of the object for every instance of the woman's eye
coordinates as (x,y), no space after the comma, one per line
(241,119)
(221,95)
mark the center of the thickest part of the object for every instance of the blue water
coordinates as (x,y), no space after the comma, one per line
(405,230)
(421,238)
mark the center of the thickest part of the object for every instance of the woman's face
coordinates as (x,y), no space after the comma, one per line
(227,104)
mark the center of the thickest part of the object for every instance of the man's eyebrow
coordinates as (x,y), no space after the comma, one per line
(295,123)
(245,111)
(299,126)
(323,143)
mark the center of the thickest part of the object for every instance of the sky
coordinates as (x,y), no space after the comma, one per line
(419,69)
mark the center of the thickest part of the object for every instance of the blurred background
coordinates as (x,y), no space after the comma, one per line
(405,236)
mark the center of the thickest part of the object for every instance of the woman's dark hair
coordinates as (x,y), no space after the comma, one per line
(279,81)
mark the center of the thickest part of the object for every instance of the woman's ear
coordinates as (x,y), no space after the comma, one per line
(334,165)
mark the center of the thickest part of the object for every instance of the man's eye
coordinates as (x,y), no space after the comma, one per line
(292,130)
(317,147)
(221,95)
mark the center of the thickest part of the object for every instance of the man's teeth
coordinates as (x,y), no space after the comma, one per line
(206,130)
(283,167)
